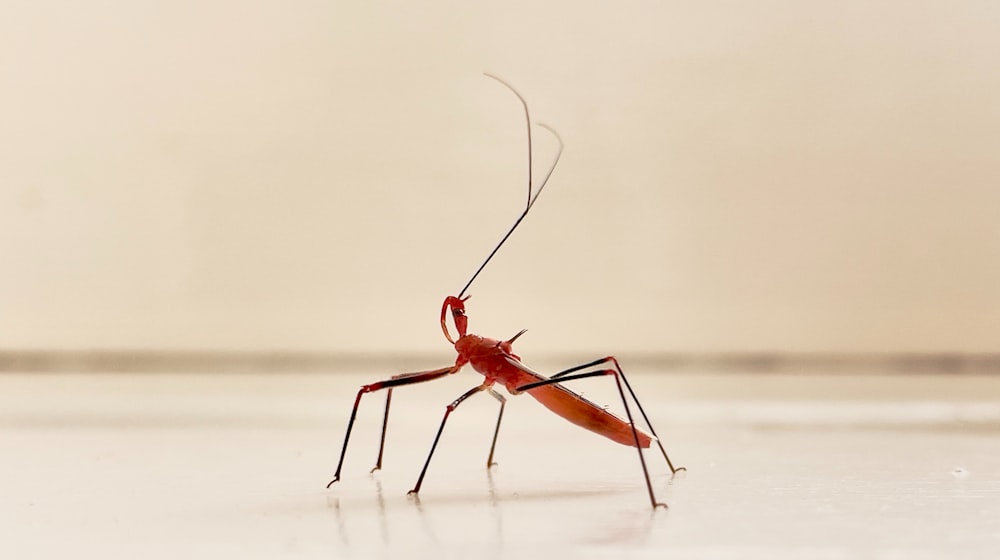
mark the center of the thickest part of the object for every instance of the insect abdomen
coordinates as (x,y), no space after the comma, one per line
(588,415)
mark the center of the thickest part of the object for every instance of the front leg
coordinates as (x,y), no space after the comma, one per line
(396,381)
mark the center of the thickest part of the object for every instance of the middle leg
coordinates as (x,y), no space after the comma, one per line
(447,412)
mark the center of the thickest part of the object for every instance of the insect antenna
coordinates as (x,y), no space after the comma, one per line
(532,194)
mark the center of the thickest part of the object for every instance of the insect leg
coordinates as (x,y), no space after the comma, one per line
(646,418)
(579,367)
(437,437)
(396,381)
(569,375)
(385,425)
(496,432)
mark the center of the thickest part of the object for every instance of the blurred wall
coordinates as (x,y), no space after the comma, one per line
(236,175)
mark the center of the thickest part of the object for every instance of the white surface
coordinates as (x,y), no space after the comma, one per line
(199,466)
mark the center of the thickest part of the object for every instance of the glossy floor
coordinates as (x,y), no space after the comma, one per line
(234,466)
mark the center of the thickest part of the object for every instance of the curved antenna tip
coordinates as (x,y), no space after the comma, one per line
(552,130)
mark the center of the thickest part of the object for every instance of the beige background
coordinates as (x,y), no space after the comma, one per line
(318,175)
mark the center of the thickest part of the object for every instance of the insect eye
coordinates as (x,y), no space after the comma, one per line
(458,312)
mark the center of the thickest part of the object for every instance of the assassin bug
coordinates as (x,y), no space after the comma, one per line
(498,364)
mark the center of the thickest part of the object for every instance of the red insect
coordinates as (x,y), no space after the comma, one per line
(497,362)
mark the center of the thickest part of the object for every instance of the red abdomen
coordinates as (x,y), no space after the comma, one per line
(588,415)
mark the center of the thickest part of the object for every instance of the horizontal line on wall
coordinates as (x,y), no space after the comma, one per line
(210,361)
